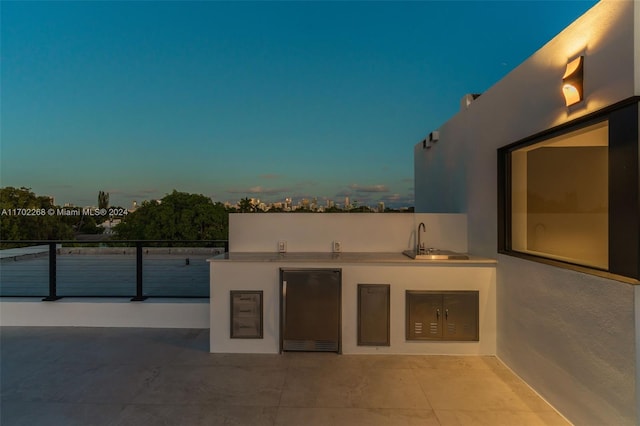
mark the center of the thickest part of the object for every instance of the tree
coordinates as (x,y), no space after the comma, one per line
(26,216)
(103,200)
(89,226)
(178,216)
(333,209)
(246,205)
(361,209)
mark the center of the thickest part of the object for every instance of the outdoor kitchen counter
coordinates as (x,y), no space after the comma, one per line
(259,274)
(344,257)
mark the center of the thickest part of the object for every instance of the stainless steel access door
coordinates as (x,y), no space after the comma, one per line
(310,310)
(442,315)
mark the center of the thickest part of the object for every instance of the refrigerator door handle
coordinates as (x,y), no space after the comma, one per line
(284,305)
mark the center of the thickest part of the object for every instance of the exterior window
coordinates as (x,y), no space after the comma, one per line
(559,197)
(570,196)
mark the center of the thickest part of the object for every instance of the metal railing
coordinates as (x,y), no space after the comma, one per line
(55,247)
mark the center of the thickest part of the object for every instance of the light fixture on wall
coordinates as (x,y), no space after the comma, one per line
(431,139)
(572,81)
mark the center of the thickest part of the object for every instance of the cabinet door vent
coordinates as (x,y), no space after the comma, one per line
(311,345)
(451,328)
(417,328)
(434,328)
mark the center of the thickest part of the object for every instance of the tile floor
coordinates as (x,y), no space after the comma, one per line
(122,376)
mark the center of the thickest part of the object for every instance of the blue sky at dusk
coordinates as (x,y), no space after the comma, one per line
(243,99)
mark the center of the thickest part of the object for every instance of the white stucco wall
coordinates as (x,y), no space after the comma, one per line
(358,232)
(105,312)
(571,336)
(526,101)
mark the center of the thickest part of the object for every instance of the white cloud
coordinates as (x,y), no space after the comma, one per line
(371,188)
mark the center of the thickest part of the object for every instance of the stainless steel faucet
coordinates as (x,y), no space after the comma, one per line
(420,247)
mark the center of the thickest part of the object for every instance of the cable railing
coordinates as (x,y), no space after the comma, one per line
(136,269)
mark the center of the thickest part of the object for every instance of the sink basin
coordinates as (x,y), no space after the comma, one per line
(435,254)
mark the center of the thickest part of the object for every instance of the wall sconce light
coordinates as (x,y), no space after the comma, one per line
(431,139)
(572,81)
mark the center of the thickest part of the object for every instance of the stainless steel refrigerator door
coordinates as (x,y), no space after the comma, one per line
(310,310)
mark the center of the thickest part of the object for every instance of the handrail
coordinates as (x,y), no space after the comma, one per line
(139,296)
(108,241)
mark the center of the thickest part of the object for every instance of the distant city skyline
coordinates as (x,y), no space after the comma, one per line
(286,204)
(246,99)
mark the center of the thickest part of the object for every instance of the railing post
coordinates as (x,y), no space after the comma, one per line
(139,297)
(52,275)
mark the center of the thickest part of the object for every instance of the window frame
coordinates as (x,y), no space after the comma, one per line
(624,191)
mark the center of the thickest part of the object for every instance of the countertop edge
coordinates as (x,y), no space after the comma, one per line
(344,257)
